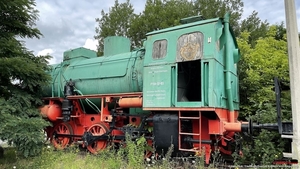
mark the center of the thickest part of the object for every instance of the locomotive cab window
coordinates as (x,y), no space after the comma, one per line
(159,49)
(189,47)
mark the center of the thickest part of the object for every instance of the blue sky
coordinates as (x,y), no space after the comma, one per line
(68,24)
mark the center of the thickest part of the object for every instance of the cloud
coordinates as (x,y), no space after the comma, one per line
(65,25)
(91,44)
(271,10)
(70,24)
(50,52)
(45,52)
(53,60)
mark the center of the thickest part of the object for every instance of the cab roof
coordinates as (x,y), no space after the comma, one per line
(202,22)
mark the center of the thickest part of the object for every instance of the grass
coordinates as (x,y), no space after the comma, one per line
(71,158)
(130,156)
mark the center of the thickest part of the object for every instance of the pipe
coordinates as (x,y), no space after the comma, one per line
(131,102)
(237,127)
(191,140)
(228,54)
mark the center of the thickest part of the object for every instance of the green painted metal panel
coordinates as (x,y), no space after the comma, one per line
(209,43)
(138,111)
(214,75)
(157,86)
(114,45)
(219,86)
(112,74)
(78,54)
(205,80)
(219,54)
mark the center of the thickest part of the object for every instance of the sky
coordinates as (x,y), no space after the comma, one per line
(69,24)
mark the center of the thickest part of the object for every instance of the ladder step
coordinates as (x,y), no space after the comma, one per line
(193,134)
(70,116)
(190,118)
(287,136)
(288,155)
(191,150)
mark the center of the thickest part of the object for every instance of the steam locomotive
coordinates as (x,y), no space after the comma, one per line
(180,88)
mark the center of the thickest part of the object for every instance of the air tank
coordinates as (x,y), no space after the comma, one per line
(118,71)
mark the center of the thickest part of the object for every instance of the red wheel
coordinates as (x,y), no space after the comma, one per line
(62,142)
(97,130)
(149,153)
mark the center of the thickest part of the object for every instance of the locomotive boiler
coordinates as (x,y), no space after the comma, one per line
(180,88)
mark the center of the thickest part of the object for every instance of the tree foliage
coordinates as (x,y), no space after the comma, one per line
(159,14)
(21,79)
(217,8)
(263,150)
(114,23)
(255,27)
(257,69)
(281,32)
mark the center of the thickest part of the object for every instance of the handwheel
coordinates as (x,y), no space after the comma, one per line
(62,142)
(97,129)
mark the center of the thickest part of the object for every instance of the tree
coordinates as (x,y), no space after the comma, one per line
(114,23)
(258,67)
(255,26)
(281,32)
(22,78)
(217,8)
(159,14)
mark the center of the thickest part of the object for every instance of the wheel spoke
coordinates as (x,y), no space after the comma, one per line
(97,130)
(62,142)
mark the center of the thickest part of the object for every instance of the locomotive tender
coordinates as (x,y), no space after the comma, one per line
(180,88)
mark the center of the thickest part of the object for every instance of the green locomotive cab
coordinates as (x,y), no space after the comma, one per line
(186,66)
